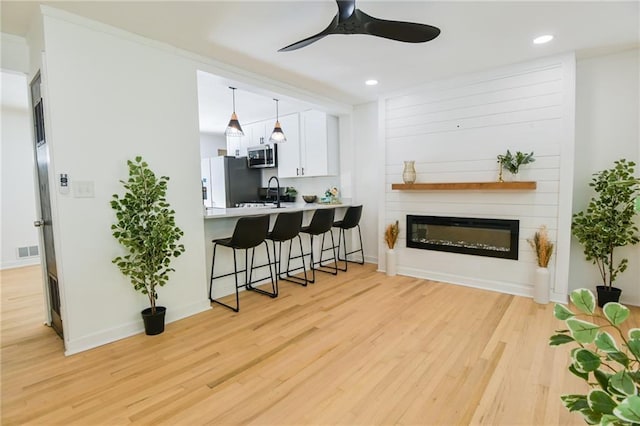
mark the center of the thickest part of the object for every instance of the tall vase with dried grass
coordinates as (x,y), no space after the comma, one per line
(543,248)
(391,237)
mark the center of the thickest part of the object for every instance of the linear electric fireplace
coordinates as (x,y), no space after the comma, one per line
(467,235)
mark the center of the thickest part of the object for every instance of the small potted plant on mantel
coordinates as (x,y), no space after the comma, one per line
(146,228)
(512,162)
(607,223)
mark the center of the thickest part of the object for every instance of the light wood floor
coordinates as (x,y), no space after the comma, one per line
(360,348)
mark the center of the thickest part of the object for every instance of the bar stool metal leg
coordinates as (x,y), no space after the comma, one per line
(278,263)
(274,283)
(342,241)
(235,276)
(249,233)
(332,269)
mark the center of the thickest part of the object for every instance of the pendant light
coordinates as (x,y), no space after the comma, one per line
(277,136)
(233,128)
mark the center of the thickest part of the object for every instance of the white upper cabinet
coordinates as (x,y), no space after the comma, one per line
(233,145)
(252,134)
(289,151)
(313,151)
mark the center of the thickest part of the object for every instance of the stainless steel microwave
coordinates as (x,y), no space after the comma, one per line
(262,156)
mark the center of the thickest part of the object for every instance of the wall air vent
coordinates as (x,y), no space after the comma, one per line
(30,251)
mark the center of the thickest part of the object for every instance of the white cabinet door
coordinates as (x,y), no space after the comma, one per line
(314,148)
(289,151)
(260,135)
(319,156)
(233,145)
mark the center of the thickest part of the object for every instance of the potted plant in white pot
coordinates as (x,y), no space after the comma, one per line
(606,357)
(543,248)
(512,162)
(607,223)
(146,228)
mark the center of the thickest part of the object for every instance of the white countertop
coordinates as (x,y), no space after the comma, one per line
(217,213)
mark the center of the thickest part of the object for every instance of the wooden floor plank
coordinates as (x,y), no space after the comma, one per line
(356,348)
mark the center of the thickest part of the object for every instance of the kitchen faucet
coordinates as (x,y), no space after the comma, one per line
(277,189)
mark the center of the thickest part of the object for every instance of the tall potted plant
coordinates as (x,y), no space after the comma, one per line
(146,228)
(607,223)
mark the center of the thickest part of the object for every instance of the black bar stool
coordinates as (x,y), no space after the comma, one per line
(249,233)
(350,220)
(321,223)
(286,228)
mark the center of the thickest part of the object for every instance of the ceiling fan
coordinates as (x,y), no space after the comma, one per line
(350,20)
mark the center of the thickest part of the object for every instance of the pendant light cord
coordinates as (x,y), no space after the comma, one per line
(234,98)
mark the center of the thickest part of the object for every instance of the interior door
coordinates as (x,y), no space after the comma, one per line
(42,161)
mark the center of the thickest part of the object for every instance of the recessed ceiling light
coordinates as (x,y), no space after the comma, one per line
(371,82)
(543,39)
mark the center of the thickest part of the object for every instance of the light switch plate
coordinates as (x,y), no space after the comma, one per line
(83,189)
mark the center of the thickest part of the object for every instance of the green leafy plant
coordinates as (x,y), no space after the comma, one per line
(146,228)
(611,368)
(607,222)
(512,162)
(290,191)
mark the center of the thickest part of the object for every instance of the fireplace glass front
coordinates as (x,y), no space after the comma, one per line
(475,236)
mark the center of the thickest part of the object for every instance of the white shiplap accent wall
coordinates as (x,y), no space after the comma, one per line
(454,130)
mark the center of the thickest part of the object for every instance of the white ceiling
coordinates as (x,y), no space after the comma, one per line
(475,36)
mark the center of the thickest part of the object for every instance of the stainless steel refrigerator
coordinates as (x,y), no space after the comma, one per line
(233,182)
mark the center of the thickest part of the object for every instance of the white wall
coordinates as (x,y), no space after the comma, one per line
(111,95)
(108,100)
(607,115)
(14,53)
(366,175)
(210,143)
(454,130)
(17,202)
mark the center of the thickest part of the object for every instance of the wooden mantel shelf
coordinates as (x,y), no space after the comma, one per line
(457,186)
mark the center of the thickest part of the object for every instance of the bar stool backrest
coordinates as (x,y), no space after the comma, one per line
(351,217)
(287,226)
(250,232)
(322,221)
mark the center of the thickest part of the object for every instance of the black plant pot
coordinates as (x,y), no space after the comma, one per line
(154,323)
(607,294)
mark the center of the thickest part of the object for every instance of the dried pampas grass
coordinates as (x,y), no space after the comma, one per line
(391,234)
(542,246)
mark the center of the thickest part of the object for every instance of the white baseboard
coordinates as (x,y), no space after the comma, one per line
(21,263)
(497,286)
(370,259)
(126,330)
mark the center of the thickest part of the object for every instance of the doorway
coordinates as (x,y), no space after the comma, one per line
(42,166)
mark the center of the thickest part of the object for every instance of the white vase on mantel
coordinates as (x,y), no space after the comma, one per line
(541,285)
(511,177)
(391,263)
(409,172)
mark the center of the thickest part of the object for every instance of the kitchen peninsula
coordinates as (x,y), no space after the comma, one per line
(220,223)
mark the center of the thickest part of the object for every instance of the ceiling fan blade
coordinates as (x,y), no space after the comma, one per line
(307,41)
(345,9)
(409,32)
